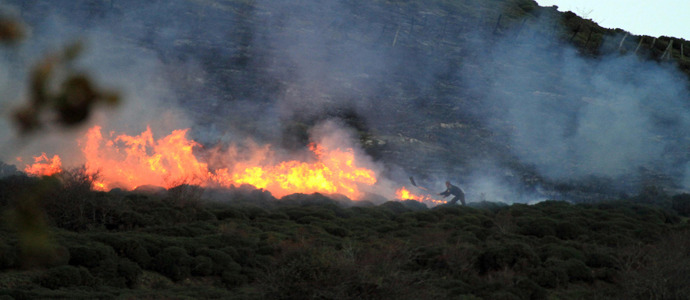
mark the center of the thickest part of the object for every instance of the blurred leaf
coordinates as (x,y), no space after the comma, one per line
(27,119)
(72,102)
(11,30)
(75,99)
(39,79)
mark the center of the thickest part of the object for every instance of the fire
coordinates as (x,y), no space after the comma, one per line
(334,171)
(127,162)
(131,161)
(404,194)
(44,166)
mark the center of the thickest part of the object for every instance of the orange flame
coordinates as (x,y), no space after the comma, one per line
(404,194)
(43,166)
(334,171)
(128,162)
(131,161)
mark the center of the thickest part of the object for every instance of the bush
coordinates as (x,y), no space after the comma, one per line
(202,266)
(8,256)
(567,230)
(578,271)
(222,261)
(538,227)
(128,247)
(552,275)
(127,220)
(90,256)
(129,272)
(335,230)
(528,289)
(507,255)
(173,262)
(600,260)
(63,276)
(232,279)
(681,204)
(560,252)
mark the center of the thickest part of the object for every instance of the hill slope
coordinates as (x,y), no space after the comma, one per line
(484,93)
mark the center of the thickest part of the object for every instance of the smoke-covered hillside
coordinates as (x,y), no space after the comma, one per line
(513,101)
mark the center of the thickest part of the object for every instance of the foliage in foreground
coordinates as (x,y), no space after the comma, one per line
(245,244)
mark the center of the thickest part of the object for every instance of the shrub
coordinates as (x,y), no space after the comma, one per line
(127,247)
(681,204)
(335,230)
(127,220)
(552,275)
(578,271)
(202,266)
(231,279)
(560,252)
(528,289)
(173,262)
(506,255)
(318,213)
(566,230)
(395,207)
(229,213)
(90,256)
(184,195)
(427,258)
(137,253)
(74,206)
(129,272)
(252,212)
(62,276)
(107,272)
(222,261)
(8,256)
(600,259)
(538,227)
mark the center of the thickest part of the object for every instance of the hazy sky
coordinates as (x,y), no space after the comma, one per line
(643,17)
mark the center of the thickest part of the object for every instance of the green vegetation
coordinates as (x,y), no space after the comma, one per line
(244,245)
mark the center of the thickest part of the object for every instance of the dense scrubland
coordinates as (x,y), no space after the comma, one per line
(62,240)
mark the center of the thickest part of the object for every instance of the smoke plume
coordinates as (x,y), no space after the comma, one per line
(412,88)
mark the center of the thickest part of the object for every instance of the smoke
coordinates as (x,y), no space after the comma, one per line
(110,59)
(419,89)
(573,116)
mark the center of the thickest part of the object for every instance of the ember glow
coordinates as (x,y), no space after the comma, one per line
(44,166)
(127,162)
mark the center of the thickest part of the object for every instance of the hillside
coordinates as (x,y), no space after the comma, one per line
(568,138)
(504,94)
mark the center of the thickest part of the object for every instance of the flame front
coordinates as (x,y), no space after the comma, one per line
(44,166)
(131,161)
(334,171)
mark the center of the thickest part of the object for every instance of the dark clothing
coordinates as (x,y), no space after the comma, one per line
(455,191)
